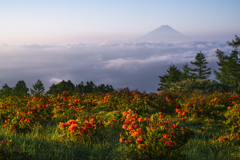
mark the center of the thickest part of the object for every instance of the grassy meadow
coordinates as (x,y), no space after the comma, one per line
(121,125)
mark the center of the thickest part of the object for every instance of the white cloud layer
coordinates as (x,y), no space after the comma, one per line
(125,64)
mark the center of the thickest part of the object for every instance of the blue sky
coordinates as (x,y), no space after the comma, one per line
(76,21)
(95,40)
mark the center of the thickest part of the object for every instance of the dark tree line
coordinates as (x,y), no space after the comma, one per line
(38,89)
(228,75)
(90,87)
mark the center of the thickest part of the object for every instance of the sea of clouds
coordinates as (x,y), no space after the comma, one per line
(136,65)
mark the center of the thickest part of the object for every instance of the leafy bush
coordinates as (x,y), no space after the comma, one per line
(192,85)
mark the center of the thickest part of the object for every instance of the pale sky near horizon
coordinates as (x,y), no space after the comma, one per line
(55,40)
(75,21)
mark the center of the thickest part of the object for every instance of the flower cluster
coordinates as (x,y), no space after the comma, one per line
(142,133)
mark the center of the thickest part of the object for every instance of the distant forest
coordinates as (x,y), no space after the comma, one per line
(185,81)
(21,89)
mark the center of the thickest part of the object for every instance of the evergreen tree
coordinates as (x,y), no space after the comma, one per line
(230,67)
(200,71)
(79,88)
(21,89)
(173,75)
(38,88)
(89,87)
(235,43)
(186,72)
(53,90)
(60,87)
(6,90)
(65,86)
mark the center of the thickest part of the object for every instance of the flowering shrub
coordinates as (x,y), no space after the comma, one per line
(153,137)
(82,129)
(233,119)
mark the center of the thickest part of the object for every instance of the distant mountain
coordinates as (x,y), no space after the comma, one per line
(163,33)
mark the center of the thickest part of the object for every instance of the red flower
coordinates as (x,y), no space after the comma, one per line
(73,127)
(60,124)
(140,120)
(139,140)
(130,111)
(170,143)
(166,136)
(128,116)
(124,126)
(125,113)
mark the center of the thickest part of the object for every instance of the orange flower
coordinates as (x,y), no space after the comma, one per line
(178,110)
(89,125)
(71,122)
(73,127)
(183,113)
(93,120)
(135,115)
(113,121)
(60,124)
(170,143)
(139,140)
(21,120)
(135,134)
(139,130)
(140,145)
(167,99)
(140,120)
(121,139)
(220,139)
(130,128)
(124,126)
(128,116)
(130,111)
(166,136)
(148,119)
(125,113)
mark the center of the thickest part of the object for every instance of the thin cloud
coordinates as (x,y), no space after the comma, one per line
(136,65)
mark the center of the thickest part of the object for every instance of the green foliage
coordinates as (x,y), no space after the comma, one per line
(6,90)
(189,86)
(60,87)
(201,70)
(173,75)
(90,87)
(6,151)
(38,88)
(230,67)
(186,72)
(21,89)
